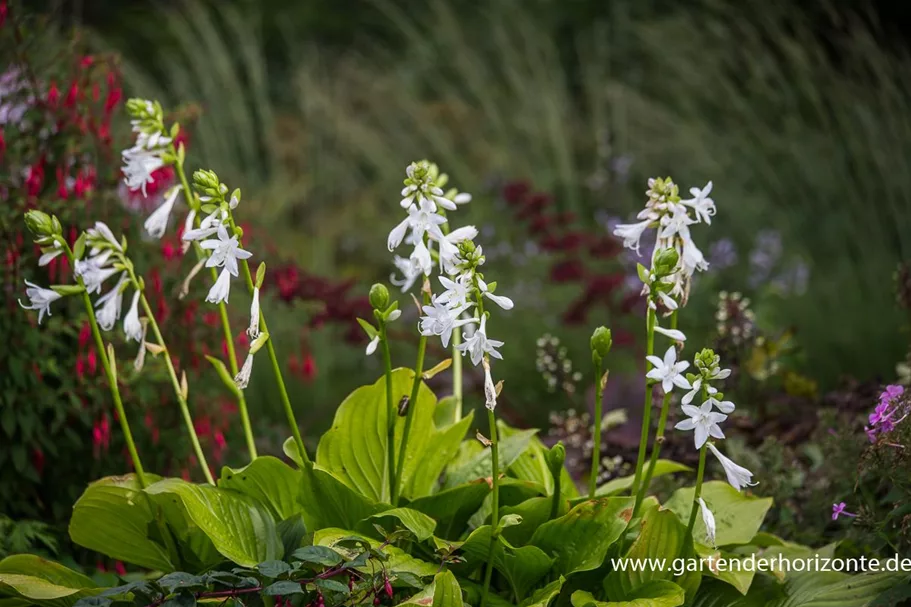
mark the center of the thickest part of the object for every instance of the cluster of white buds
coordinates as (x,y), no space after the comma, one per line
(426,204)
(152,146)
(705,422)
(665,211)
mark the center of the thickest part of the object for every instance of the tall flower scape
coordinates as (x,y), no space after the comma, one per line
(403,501)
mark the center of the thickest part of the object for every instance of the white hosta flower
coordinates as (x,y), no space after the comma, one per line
(631,233)
(242,379)
(725,406)
(208,226)
(462,198)
(421,258)
(669,302)
(478,344)
(703,421)
(674,334)
(187,228)
(503,302)
(131,325)
(702,205)
(253,329)
(668,371)
(738,476)
(139,164)
(108,306)
(676,224)
(457,291)
(410,272)
(225,251)
(94,276)
(221,289)
(102,231)
(440,320)
(50,255)
(449,252)
(421,220)
(39,299)
(709,519)
(697,387)
(490,390)
(372,345)
(157,222)
(692,258)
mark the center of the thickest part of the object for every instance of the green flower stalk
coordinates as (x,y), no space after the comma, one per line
(601,343)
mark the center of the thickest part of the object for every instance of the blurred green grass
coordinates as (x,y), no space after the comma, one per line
(804,134)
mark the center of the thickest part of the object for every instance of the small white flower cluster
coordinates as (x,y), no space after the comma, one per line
(147,154)
(426,204)
(704,420)
(666,212)
(106,259)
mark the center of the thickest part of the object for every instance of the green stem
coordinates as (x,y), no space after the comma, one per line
(698,493)
(457,372)
(596,431)
(647,406)
(495,503)
(175,383)
(276,368)
(112,382)
(412,405)
(190,196)
(390,410)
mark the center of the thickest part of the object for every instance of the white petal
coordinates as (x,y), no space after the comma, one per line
(672,333)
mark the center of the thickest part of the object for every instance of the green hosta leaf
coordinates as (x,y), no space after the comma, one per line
(531,465)
(354,449)
(446,590)
(115,518)
(740,577)
(453,507)
(619,485)
(662,538)
(543,596)
(418,523)
(328,502)
(240,528)
(659,593)
(580,538)
(445,412)
(197,552)
(479,465)
(737,516)
(534,512)
(34,580)
(523,566)
(269,480)
(398,559)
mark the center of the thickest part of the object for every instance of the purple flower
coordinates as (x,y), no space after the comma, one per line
(891,392)
(880,413)
(839,510)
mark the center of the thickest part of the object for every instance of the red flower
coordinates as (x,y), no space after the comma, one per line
(61,184)
(72,95)
(85,332)
(119,568)
(93,362)
(86,61)
(35,178)
(515,191)
(53,95)
(308,368)
(114,97)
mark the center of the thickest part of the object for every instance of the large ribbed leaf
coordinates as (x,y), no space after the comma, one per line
(580,539)
(452,508)
(523,566)
(115,518)
(269,480)
(654,594)
(328,502)
(241,528)
(737,516)
(42,582)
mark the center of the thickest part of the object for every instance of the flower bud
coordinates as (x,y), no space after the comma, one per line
(666,261)
(206,179)
(41,224)
(601,343)
(379,296)
(706,361)
(555,458)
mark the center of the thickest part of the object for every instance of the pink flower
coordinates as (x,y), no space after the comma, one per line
(839,510)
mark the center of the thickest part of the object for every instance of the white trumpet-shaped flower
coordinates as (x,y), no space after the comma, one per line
(669,302)
(709,519)
(242,379)
(697,387)
(421,258)
(410,270)
(46,258)
(457,291)
(221,289)
(702,205)
(502,301)
(225,251)
(668,371)
(490,390)
(449,252)
(738,476)
(108,306)
(139,164)
(440,320)
(157,222)
(131,325)
(208,226)
(725,406)
(94,275)
(102,231)
(39,299)
(674,334)
(631,233)
(703,421)
(421,220)
(692,258)
(253,329)
(479,344)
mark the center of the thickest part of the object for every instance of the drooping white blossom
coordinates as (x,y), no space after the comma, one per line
(253,329)
(697,387)
(157,222)
(725,406)
(490,390)
(668,371)
(55,252)
(502,301)
(457,291)
(139,164)
(478,344)
(738,476)
(108,306)
(702,205)
(131,325)
(674,334)
(440,319)
(703,421)
(225,251)
(39,299)
(410,270)
(221,289)
(631,233)
(709,519)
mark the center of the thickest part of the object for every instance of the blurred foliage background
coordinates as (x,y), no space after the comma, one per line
(799,113)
